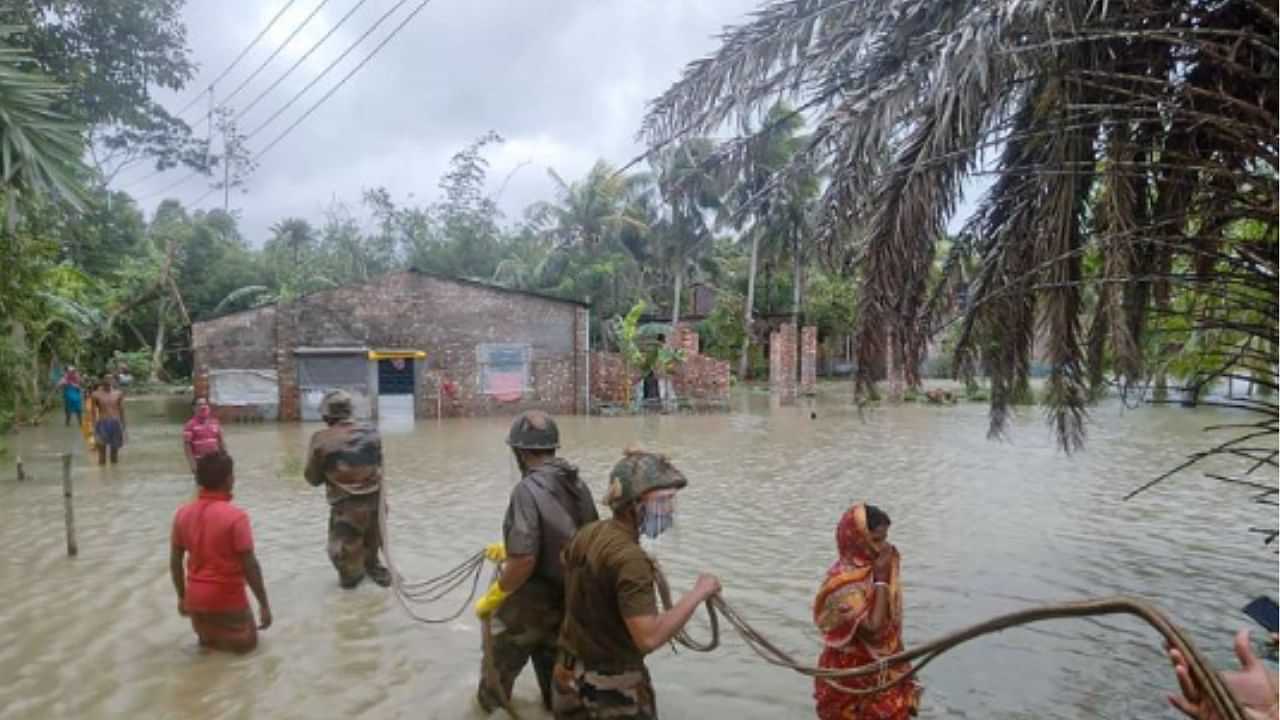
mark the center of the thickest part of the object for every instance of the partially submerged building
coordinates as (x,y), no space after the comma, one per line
(407,342)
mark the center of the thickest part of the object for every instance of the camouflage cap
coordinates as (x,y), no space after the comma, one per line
(336,405)
(639,472)
(534,430)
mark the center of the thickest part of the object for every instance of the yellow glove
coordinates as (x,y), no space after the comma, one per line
(495,552)
(486,605)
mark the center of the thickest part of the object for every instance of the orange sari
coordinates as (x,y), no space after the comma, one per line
(843,602)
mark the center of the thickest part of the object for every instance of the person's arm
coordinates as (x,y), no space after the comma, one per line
(124,425)
(516,571)
(882,572)
(253,576)
(222,444)
(650,632)
(188,451)
(176,571)
(312,473)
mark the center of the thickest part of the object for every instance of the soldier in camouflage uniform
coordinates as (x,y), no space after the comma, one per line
(346,458)
(611,606)
(525,606)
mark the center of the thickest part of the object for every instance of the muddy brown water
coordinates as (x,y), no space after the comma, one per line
(983,527)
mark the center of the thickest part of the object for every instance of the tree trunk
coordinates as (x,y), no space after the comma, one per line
(744,360)
(157,355)
(675,301)
(796,296)
(896,370)
(1161,393)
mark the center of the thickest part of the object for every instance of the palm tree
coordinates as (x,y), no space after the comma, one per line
(293,237)
(769,208)
(691,186)
(589,213)
(1140,132)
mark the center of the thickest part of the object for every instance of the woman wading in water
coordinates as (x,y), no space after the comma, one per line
(859,612)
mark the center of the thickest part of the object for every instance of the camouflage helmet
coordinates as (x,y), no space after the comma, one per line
(637,473)
(336,405)
(533,430)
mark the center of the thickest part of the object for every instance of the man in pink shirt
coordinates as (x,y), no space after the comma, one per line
(214,536)
(202,435)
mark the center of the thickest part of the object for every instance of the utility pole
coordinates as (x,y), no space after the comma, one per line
(226,167)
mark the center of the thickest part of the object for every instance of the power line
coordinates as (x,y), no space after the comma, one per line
(299,61)
(364,61)
(208,92)
(333,64)
(243,53)
(344,79)
(180,181)
(274,53)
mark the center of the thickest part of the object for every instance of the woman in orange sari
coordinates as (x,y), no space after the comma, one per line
(859,612)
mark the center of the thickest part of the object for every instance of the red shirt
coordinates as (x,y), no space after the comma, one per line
(214,533)
(204,436)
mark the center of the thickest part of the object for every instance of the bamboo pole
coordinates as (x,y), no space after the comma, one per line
(66,503)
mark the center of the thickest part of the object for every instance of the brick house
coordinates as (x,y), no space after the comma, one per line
(406,342)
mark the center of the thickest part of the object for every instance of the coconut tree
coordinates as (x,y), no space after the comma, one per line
(769,210)
(588,213)
(1139,130)
(40,149)
(691,187)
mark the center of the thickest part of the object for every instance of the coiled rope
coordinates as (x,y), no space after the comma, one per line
(1202,670)
(431,590)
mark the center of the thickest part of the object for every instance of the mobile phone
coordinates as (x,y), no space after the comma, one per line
(1265,612)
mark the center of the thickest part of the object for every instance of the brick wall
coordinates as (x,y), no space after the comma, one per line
(809,360)
(699,377)
(702,378)
(609,379)
(240,341)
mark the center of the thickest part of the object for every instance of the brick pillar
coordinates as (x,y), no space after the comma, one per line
(686,338)
(581,340)
(809,360)
(782,359)
(287,362)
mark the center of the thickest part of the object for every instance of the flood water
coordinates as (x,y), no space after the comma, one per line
(983,528)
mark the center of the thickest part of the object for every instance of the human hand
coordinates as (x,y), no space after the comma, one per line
(264,617)
(882,566)
(491,601)
(1253,686)
(706,586)
(495,552)
(182,608)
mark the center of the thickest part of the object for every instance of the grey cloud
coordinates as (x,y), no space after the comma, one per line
(564,82)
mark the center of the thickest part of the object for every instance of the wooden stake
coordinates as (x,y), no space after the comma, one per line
(66,502)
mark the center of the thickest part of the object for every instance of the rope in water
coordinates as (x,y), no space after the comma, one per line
(433,589)
(425,592)
(1202,670)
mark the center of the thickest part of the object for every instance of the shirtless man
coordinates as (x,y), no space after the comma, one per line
(107,408)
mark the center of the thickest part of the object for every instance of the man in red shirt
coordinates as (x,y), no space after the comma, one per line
(202,435)
(215,535)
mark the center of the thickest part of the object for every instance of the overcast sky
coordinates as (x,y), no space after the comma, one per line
(564,81)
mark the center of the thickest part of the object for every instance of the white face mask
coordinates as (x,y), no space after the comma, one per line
(656,514)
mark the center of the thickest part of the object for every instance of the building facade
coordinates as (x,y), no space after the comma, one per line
(410,341)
